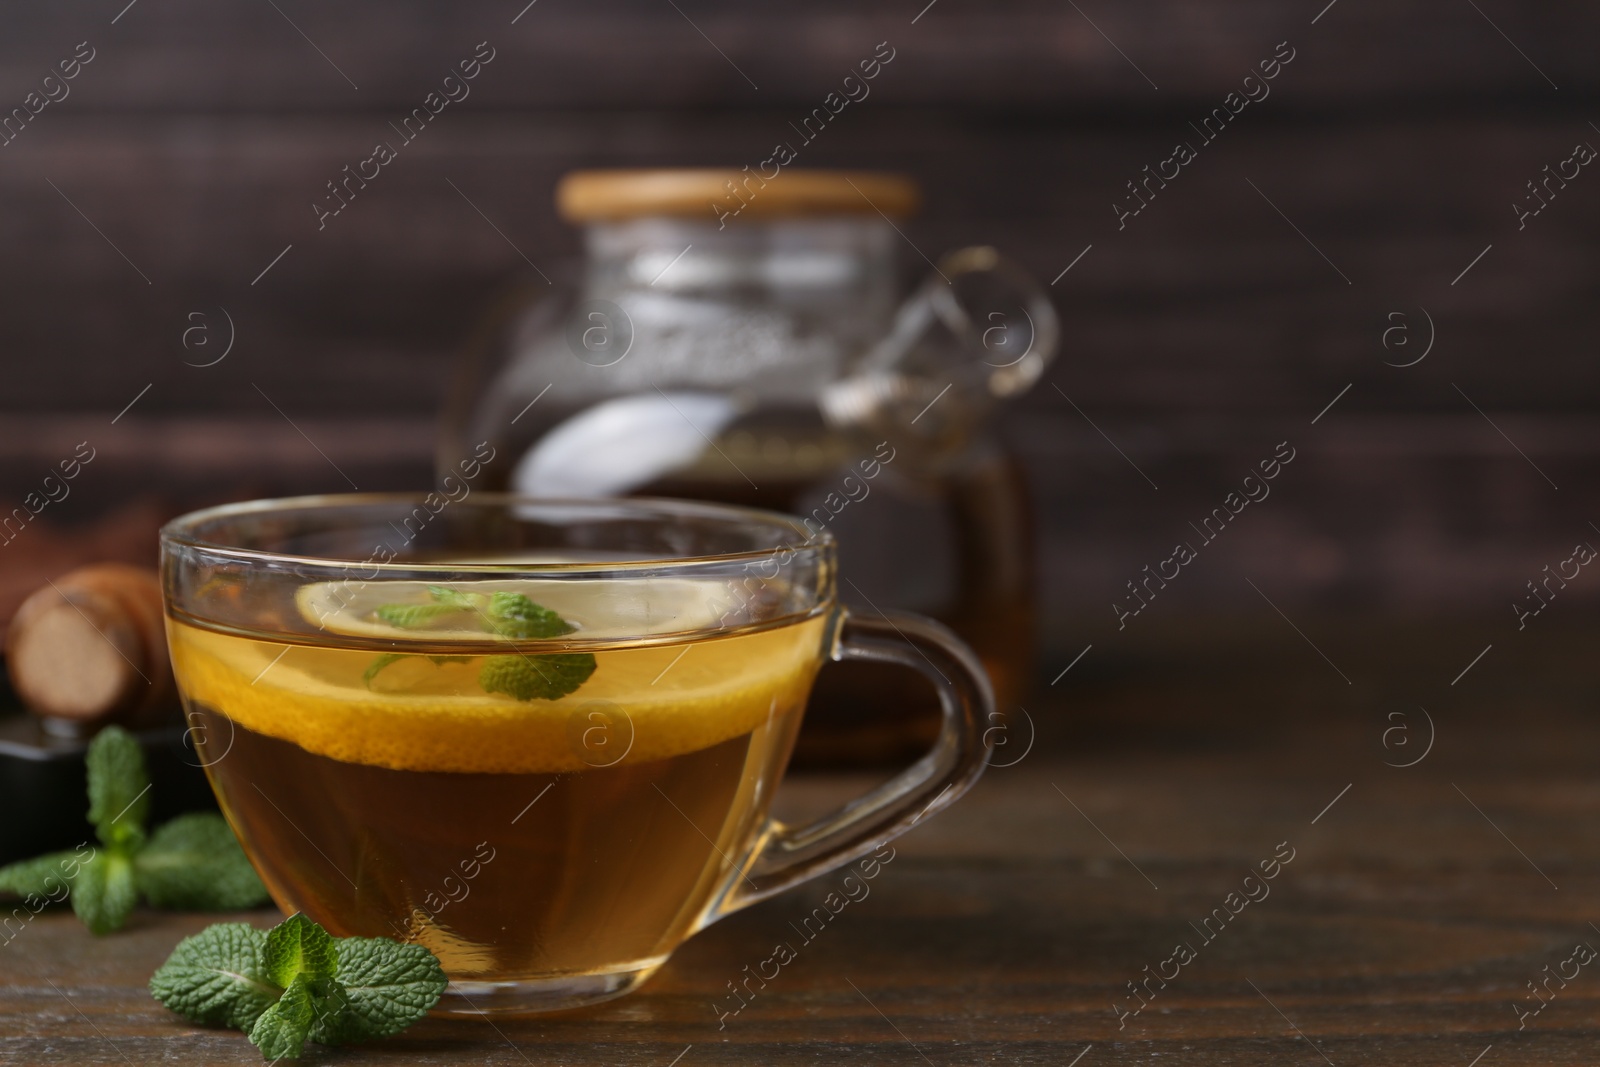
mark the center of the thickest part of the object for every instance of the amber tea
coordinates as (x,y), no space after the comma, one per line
(395,795)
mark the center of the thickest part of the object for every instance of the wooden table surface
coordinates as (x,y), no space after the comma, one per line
(1419,903)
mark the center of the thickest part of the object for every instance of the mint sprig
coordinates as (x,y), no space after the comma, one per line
(510,615)
(295,984)
(192,863)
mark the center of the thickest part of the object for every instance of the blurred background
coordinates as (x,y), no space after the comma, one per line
(1372,191)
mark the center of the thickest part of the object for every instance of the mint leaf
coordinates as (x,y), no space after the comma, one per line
(379,664)
(386,987)
(282,1030)
(514,615)
(119,788)
(411,616)
(216,977)
(509,614)
(460,600)
(43,876)
(103,894)
(298,947)
(390,657)
(535,677)
(194,863)
(446,602)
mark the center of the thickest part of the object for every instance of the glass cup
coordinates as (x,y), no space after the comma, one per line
(539,737)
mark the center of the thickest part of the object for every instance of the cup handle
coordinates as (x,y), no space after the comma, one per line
(784,856)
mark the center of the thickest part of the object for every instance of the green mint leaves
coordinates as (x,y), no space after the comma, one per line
(283,1029)
(379,664)
(298,946)
(295,984)
(514,615)
(216,977)
(104,893)
(507,614)
(193,863)
(510,615)
(119,789)
(298,957)
(535,677)
(384,986)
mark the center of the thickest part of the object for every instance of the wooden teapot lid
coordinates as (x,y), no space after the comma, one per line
(610,195)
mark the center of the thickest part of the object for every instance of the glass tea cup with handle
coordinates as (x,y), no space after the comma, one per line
(539,737)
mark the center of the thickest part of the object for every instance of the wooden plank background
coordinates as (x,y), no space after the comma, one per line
(1196,338)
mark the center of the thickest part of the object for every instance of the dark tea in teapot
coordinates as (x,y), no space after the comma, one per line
(773,360)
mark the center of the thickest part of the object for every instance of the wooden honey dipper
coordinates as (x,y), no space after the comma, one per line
(90,648)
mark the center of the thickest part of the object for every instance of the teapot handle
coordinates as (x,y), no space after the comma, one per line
(1003,316)
(979,328)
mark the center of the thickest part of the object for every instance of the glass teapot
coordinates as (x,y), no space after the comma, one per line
(745,341)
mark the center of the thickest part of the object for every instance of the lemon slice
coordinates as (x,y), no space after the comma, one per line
(640,704)
(598,608)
